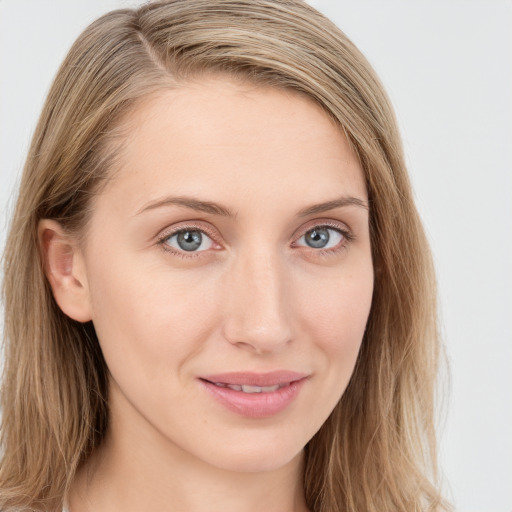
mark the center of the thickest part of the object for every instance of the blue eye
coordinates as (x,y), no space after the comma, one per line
(321,237)
(189,240)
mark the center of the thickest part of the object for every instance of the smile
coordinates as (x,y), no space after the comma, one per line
(255,395)
(247,388)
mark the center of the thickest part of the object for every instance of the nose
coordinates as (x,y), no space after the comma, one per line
(257,314)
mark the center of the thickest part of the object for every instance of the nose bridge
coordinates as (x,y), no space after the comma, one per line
(256,317)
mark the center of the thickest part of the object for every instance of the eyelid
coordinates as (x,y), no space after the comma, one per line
(339,226)
(190,225)
(186,225)
(327,223)
(323,253)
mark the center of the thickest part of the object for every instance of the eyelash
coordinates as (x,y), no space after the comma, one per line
(326,253)
(345,233)
(182,229)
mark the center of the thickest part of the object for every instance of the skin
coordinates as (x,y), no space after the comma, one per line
(255,297)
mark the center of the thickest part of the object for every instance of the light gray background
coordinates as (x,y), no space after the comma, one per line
(447,66)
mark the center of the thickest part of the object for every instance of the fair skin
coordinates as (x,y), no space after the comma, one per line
(252,289)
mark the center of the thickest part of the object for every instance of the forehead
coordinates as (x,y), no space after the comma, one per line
(222,137)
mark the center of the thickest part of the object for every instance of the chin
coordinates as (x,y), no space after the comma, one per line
(258,457)
(261,463)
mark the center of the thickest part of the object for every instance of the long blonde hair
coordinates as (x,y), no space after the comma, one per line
(376,451)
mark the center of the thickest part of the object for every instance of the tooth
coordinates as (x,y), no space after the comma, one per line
(246,388)
(251,389)
(269,389)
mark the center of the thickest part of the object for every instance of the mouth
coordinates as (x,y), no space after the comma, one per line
(247,388)
(251,382)
(255,395)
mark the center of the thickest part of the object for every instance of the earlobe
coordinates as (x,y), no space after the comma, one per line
(65,270)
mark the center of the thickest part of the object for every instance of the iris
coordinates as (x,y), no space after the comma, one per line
(189,240)
(317,238)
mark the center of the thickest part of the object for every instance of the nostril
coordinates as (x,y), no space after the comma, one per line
(261,347)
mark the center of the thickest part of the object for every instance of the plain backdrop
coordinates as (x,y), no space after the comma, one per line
(447,66)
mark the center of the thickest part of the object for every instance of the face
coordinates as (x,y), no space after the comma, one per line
(229,273)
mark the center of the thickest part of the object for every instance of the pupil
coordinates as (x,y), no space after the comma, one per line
(317,237)
(189,240)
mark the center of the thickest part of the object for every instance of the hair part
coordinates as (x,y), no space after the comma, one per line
(376,451)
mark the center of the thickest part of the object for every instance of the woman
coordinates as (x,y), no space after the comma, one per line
(227,298)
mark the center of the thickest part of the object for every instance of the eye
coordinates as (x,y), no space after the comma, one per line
(321,237)
(189,240)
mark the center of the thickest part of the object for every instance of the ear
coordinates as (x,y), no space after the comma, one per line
(65,269)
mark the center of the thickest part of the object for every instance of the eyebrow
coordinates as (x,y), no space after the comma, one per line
(331,205)
(192,203)
(218,209)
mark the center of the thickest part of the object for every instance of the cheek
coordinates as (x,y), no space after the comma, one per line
(335,313)
(148,316)
(337,308)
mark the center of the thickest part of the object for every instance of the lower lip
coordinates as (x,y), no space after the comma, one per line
(255,405)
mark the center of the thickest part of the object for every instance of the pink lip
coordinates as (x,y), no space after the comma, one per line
(256,379)
(255,405)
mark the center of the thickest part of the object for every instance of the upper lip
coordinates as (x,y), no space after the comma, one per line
(256,379)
